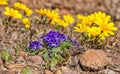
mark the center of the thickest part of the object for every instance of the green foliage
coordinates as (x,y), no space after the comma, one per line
(57,55)
(54,56)
(45,56)
(5,56)
(26,70)
(53,62)
(56,50)
(17,49)
(66,44)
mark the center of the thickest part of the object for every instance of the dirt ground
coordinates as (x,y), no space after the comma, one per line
(11,37)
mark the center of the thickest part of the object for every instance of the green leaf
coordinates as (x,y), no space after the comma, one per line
(33,52)
(5,56)
(9,58)
(52,54)
(57,49)
(57,27)
(26,71)
(41,51)
(67,54)
(63,46)
(59,57)
(66,44)
(45,56)
(54,62)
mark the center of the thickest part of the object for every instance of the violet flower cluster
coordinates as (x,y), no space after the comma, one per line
(52,39)
(35,45)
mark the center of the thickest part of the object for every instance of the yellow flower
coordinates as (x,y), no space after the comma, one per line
(12,13)
(28,11)
(3,2)
(84,20)
(105,24)
(54,21)
(96,24)
(80,28)
(68,19)
(80,17)
(23,7)
(42,11)
(52,14)
(61,23)
(92,18)
(108,28)
(102,15)
(94,31)
(19,5)
(26,22)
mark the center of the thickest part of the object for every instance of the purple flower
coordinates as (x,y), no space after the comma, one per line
(35,45)
(53,39)
(62,37)
(69,39)
(74,42)
(53,44)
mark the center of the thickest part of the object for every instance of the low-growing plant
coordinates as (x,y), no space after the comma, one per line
(53,17)
(18,11)
(94,28)
(5,56)
(23,7)
(53,47)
